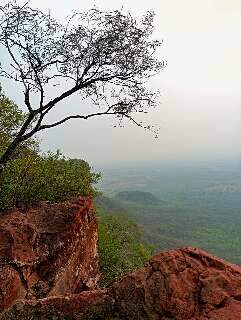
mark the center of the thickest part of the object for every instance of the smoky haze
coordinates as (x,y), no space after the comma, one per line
(199,115)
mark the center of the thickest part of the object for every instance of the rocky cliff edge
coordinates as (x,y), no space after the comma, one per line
(49,270)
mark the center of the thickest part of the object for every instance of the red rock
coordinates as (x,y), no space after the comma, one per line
(49,270)
(184,284)
(89,305)
(181,284)
(48,250)
(11,287)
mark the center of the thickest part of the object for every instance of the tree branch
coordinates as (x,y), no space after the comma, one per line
(71,91)
(27,99)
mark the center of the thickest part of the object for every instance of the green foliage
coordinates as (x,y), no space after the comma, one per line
(120,246)
(49,177)
(30,177)
(201,209)
(11,120)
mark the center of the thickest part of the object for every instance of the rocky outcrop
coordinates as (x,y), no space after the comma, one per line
(49,270)
(179,284)
(88,305)
(48,250)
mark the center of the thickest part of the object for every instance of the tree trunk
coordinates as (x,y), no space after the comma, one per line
(7,155)
(4,160)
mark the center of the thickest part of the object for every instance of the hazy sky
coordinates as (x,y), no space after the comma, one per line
(200,111)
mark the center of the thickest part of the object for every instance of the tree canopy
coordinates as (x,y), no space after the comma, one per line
(105,56)
(11,120)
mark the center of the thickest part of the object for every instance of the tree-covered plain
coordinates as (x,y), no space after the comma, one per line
(200,205)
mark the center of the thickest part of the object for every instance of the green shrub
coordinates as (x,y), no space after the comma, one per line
(51,177)
(11,120)
(29,176)
(120,246)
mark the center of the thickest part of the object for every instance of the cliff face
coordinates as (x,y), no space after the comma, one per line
(49,270)
(48,250)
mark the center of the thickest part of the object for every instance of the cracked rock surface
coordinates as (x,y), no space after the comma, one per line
(48,250)
(180,284)
(49,270)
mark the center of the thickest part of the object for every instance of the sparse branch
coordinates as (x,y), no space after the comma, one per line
(84,117)
(38,81)
(71,91)
(105,57)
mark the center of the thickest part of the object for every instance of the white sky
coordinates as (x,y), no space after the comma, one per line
(200,111)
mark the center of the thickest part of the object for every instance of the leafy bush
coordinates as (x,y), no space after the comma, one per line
(11,117)
(120,246)
(49,177)
(11,120)
(30,177)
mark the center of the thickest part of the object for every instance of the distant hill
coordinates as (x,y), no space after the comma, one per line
(110,205)
(138,197)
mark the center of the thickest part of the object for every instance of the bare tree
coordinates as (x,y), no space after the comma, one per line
(104,56)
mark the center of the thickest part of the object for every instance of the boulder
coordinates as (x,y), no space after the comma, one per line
(181,284)
(91,305)
(48,250)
